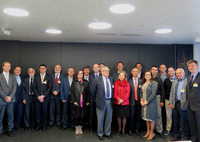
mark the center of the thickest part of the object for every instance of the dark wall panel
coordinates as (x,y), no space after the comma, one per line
(156,55)
(34,54)
(79,55)
(113,53)
(9,51)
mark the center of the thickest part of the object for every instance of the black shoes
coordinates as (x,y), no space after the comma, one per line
(109,136)
(91,131)
(101,138)
(137,132)
(176,138)
(123,134)
(17,128)
(0,135)
(119,133)
(130,133)
(58,126)
(161,135)
(10,133)
(44,130)
(64,128)
(26,129)
(37,129)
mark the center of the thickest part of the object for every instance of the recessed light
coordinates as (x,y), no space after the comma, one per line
(53,31)
(16,12)
(122,8)
(100,25)
(163,31)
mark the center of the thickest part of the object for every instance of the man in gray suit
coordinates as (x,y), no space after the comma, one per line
(178,104)
(193,99)
(8,87)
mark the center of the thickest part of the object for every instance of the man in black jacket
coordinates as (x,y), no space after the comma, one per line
(167,85)
(42,89)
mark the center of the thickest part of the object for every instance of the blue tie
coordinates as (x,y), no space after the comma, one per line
(107,89)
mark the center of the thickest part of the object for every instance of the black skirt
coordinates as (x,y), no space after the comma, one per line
(121,111)
(80,112)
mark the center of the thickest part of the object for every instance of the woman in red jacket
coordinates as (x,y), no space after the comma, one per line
(121,96)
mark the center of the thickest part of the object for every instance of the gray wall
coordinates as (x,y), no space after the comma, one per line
(32,54)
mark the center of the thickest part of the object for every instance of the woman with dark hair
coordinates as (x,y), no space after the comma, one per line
(121,100)
(80,99)
(149,104)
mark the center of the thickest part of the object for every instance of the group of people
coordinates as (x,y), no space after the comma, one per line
(49,99)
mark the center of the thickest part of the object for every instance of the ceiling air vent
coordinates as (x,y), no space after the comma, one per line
(105,34)
(131,35)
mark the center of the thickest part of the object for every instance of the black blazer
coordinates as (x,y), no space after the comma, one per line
(26,89)
(91,78)
(98,92)
(75,92)
(43,89)
(132,91)
(54,86)
(193,95)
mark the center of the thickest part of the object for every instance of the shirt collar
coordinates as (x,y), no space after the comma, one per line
(172,78)
(57,74)
(181,79)
(195,74)
(43,74)
(5,73)
(96,74)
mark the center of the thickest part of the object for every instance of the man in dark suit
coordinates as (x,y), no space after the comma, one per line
(18,106)
(86,71)
(65,97)
(29,100)
(102,93)
(93,118)
(42,89)
(135,107)
(55,103)
(120,67)
(193,99)
(8,86)
(139,67)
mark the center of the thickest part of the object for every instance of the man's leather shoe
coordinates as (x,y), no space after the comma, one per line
(91,131)
(137,132)
(37,129)
(26,129)
(64,128)
(32,128)
(161,135)
(101,138)
(44,130)
(58,126)
(0,135)
(176,138)
(17,128)
(109,136)
(10,133)
(130,133)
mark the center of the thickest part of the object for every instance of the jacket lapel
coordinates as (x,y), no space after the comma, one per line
(2,76)
(102,84)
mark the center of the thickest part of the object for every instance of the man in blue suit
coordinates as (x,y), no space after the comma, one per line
(64,95)
(18,107)
(102,92)
(55,103)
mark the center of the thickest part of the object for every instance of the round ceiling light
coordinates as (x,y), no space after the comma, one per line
(163,31)
(122,8)
(100,25)
(53,31)
(16,12)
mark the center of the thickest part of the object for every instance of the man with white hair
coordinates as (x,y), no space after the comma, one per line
(178,104)
(102,93)
(29,100)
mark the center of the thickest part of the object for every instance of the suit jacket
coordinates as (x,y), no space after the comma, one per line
(91,78)
(43,89)
(7,90)
(19,90)
(65,89)
(115,76)
(193,95)
(98,92)
(26,89)
(160,75)
(132,90)
(173,95)
(56,87)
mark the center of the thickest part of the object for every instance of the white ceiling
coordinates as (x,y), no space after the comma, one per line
(73,17)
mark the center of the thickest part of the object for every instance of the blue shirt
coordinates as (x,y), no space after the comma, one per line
(172,79)
(180,86)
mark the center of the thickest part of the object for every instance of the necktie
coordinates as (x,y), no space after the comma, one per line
(136,97)
(31,86)
(56,79)
(191,80)
(42,79)
(107,89)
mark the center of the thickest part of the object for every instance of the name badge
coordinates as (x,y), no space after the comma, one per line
(182,90)
(112,86)
(45,82)
(195,85)
(140,86)
(59,81)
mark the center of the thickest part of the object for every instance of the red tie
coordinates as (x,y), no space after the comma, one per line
(56,79)
(136,97)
